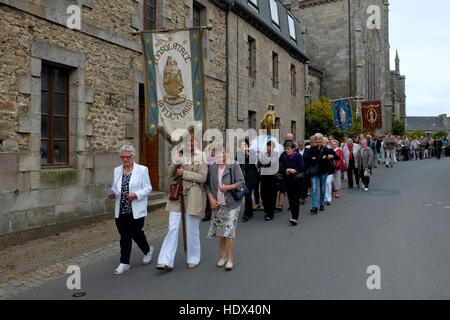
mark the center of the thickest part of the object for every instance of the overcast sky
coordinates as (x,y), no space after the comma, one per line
(420,30)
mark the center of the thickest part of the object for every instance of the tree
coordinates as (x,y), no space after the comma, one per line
(440,134)
(319,118)
(418,134)
(398,128)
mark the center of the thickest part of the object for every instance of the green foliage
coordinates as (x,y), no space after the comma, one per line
(319,118)
(398,128)
(417,134)
(440,134)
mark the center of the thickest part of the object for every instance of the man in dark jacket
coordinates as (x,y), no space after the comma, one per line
(247,159)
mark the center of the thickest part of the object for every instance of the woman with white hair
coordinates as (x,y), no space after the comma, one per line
(320,165)
(130,188)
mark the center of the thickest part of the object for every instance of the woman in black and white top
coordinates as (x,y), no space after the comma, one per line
(130,189)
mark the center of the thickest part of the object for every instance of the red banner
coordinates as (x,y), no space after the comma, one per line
(371,115)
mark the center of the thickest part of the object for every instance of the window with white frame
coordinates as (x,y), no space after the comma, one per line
(253,3)
(274,12)
(291,25)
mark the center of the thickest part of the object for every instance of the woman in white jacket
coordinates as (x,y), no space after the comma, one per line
(130,189)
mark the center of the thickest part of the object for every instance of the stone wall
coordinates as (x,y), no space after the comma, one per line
(106,68)
(255,95)
(327,45)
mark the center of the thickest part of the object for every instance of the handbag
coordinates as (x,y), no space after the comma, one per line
(367,172)
(239,193)
(312,170)
(175,190)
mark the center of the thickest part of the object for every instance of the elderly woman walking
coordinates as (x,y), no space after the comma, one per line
(319,167)
(291,168)
(223,179)
(193,172)
(364,163)
(130,189)
(340,167)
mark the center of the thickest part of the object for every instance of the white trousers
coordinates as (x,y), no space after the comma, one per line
(170,244)
(328,188)
(390,157)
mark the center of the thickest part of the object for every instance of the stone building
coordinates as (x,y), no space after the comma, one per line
(429,125)
(70,98)
(355,58)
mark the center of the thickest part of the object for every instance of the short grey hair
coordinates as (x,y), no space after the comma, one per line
(318,136)
(128,148)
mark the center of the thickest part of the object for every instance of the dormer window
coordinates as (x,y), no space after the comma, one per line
(291,25)
(274,12)
(253,4)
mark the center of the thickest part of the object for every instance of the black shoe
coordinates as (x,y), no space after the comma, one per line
(206,218)
(244,219)
(278,209)
(267,218)
(328,203)
(314,211)
(302,201)
(321,208)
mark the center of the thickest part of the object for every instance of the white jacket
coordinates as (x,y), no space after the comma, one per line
(139,184)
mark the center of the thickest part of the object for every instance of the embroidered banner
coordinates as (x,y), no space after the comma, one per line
(342,114)
(371,115)
(173,79)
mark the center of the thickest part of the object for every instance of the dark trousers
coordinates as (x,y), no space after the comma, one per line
(352,171)
(248,202)
(256,188)
(304,188)
(438,153)
(405,154)
(269,194)
(131,229)
(293,191)
(365,180)
(208,209)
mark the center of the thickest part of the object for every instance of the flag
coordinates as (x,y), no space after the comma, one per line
(342,114)
(371,115)
(174,88)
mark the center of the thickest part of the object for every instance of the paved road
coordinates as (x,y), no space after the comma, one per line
(402,225)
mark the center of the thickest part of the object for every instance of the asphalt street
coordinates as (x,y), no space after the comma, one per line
(402,225)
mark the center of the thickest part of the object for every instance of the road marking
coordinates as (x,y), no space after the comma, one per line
(439,203)
(447,207)
(428,204)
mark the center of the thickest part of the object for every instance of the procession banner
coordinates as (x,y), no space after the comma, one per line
(342,114)
(174,88)
(371,115)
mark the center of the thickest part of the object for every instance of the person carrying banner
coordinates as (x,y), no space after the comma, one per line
(193,172)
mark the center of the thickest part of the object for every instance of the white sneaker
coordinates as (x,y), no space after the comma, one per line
(122,268)
(366,189)
(148,257)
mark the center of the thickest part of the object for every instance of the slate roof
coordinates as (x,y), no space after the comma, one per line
(426,124)
(263,21)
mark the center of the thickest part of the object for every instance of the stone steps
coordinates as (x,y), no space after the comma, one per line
(156,200)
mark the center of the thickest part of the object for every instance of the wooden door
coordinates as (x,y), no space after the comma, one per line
(148,148)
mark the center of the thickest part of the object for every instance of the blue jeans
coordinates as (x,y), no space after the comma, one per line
(315,181)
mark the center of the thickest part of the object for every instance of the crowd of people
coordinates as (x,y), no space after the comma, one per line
(256,179)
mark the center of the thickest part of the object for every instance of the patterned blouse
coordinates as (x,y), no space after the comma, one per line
(125,205)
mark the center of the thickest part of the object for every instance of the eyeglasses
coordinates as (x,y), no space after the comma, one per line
(125,157)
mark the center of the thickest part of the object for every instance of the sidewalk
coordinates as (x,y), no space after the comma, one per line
(37,262)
